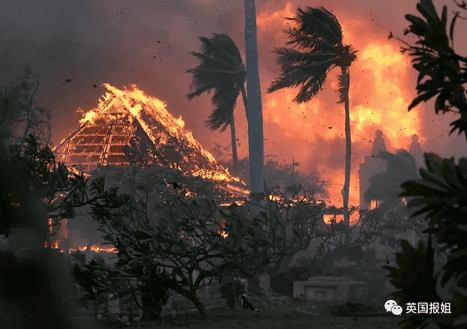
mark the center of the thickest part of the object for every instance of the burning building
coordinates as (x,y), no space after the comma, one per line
(128,127)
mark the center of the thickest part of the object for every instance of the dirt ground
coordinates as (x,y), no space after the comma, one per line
(281,317)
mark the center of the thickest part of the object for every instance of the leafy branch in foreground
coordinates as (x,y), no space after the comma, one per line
(441,195)
(434,58)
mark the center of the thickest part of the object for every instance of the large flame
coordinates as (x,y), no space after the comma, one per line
(150,111)
(379,94)
(88,116)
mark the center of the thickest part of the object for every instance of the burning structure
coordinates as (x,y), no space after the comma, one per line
(128,127)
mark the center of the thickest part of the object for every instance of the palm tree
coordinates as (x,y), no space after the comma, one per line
(221,69)
(318,37)
(254,108)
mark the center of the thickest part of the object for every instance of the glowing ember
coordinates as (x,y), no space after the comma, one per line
(89,116)
(223,234)
(95,248)
(221,230)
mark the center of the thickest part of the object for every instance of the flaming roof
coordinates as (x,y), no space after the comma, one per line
(129,118)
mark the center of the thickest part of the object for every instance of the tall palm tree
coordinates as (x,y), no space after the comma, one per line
(318,37)
(221,69)
(254,108)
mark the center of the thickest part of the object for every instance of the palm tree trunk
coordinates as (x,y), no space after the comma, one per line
(254,106)
(245,100)
(348,145)
(234,144)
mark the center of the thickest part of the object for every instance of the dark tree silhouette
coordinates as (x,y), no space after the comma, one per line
(318,36)
(222,70)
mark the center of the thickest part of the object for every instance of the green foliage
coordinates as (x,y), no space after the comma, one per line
(434,58)
(441,194)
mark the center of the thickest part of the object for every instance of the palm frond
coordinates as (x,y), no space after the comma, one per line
(201,88)
(325,63)
(311,89)
(208,59)
(289,56)
(222,70)
(221,48)
(319,34)
(225,99)
(319,21)
(307,41)
(310,82)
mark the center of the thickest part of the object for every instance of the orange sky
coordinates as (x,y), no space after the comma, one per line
(148,44)
(379,98)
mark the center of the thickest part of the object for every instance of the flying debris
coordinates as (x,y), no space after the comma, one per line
(67,80)
(94,85)
(390,35)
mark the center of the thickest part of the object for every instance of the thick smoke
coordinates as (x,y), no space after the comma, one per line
(148,43)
